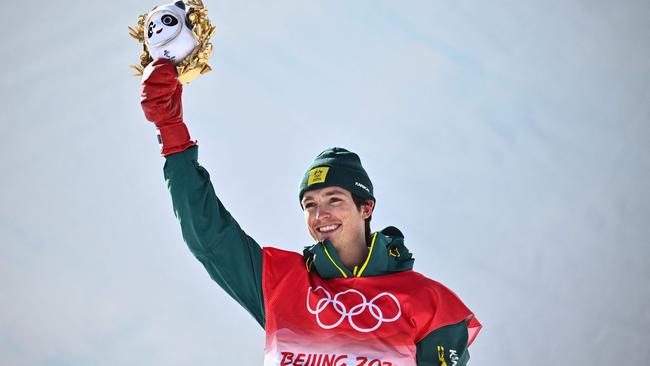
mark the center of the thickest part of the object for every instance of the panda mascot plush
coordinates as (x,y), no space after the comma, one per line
(179,32)
(168,32)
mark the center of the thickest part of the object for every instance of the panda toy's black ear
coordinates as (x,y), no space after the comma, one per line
(181,5)
(187,18)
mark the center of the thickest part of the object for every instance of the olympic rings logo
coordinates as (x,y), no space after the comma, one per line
(374,310)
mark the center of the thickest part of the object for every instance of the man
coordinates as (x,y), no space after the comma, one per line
(350,299)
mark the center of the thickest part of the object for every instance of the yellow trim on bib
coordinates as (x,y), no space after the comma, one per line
(372,244)
(334,263)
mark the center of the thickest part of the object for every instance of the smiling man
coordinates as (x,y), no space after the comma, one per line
(351,298)
(338,204)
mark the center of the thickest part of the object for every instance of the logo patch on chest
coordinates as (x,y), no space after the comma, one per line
(362,315)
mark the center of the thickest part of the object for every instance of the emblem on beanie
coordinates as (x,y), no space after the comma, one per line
(317,175)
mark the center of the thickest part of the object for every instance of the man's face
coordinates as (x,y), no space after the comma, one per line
(330,213)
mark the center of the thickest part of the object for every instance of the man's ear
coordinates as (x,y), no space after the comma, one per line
(367,208)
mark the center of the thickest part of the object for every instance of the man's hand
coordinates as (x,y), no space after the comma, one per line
(162,105)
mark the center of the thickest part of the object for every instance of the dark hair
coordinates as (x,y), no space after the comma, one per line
(359,201)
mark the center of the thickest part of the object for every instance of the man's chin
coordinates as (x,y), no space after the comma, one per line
(324,237)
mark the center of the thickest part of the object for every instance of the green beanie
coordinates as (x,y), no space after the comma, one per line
(337,167)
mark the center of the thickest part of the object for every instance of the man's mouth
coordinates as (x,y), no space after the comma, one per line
(327,228)
(159,30)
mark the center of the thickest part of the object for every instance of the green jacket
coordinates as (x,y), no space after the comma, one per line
(234,260)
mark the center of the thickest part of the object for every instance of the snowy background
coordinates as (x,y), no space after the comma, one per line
(509,140)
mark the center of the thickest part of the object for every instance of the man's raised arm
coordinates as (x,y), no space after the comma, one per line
(232,258)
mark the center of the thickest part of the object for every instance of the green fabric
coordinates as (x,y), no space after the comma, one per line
(234,260)
(342,169)
(390,240)
(449,342)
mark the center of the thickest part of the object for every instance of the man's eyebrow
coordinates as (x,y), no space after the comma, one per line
(330,193)
(335,191)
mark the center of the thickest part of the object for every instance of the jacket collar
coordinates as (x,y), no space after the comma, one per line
(387,254)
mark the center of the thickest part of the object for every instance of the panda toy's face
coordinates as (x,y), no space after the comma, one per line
(168,34)
(163,27)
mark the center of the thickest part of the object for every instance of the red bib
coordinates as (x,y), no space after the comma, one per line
(366,321)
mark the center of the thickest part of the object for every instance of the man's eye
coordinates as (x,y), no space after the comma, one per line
(308,205)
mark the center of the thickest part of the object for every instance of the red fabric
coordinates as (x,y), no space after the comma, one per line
(304,317)
(162,104)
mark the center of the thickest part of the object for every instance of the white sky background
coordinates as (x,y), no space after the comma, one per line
(509,140)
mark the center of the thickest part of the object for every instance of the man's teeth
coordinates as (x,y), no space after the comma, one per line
(326,229)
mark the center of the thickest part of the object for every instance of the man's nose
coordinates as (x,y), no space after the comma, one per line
(321,212)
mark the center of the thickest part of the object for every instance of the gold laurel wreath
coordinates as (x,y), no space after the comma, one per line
(194,64)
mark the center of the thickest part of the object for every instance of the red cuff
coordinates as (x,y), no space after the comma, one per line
(174,138)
